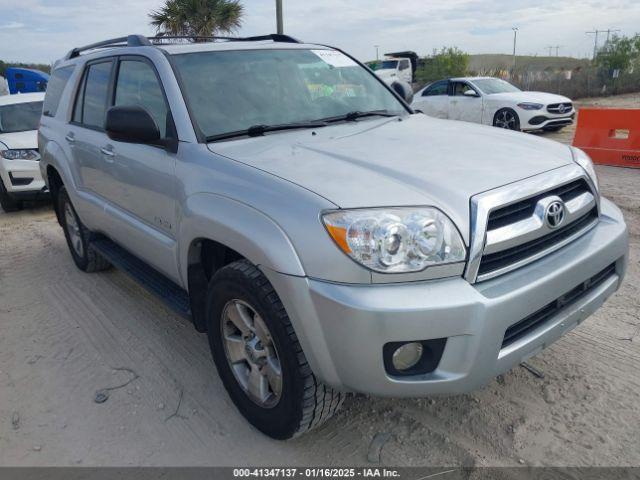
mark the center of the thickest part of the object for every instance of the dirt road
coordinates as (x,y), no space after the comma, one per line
(65,335)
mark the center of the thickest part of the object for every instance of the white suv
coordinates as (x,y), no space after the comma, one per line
(20,177)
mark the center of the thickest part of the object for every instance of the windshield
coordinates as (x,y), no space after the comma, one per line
(232,91)
(20,117)
(495,85)
(392,64)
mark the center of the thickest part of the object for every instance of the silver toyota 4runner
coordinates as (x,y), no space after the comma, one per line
(325,236)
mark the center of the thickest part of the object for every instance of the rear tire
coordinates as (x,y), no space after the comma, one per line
(7,203)
(507,118)
(289,404)
(78,237)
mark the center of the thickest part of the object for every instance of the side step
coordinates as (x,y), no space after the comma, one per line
(171,294)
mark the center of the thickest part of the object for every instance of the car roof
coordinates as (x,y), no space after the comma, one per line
(21,98)
(463,79)
(176,49)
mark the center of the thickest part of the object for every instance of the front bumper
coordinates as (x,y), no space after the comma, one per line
(539,119)
(343,328)
(22,178)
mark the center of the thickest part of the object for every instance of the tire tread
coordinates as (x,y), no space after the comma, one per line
(319,401)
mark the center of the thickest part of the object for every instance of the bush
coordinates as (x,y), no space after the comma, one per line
(448,62)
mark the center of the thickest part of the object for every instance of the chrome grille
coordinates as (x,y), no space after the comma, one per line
(560,108)
(517,224)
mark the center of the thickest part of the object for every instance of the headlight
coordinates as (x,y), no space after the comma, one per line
(585,162)
(396,240)
(19,154)
(530,106)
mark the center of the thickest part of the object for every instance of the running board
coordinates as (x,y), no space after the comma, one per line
(171,294)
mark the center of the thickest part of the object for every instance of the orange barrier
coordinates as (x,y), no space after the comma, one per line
(609,136)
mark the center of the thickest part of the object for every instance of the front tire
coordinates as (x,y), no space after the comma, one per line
(7,203)
(259,357)
(78,237)
(507,118)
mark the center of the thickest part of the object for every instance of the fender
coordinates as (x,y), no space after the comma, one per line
(239,226)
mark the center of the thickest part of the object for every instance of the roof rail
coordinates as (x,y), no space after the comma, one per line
(275,37)
(142,41)
(128,41)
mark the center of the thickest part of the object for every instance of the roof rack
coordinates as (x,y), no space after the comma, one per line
(128,41)
(142,41)
(275,37)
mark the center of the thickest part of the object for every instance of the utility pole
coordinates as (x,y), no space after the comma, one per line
(558,47)
(550,48)
(279,22)
(595,32)
(515,38)
(377,52)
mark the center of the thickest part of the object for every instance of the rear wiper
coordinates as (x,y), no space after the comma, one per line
(353,116)
(259,130)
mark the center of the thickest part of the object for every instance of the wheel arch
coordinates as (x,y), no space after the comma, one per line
(216,231)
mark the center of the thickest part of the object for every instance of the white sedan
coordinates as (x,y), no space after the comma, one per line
(492,101)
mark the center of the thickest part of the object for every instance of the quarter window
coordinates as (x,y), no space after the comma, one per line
(138,85)
(57,83)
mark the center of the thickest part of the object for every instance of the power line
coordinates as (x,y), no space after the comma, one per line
(596,32)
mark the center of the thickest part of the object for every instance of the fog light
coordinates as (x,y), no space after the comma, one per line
(407,356)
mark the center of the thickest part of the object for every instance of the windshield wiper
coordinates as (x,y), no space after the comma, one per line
(259,130)
(356,114)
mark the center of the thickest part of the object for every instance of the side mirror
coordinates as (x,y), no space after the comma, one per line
(470,93)
(132,124)
(403,89)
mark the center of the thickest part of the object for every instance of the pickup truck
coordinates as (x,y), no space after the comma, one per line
(327,238)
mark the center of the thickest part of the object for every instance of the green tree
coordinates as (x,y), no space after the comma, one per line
(619,53)
(197,18)
(448,62)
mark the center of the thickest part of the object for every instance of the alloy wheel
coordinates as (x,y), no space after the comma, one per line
(73,228)
(251,353)
(506,119)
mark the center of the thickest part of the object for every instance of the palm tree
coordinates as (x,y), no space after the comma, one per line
(197,18)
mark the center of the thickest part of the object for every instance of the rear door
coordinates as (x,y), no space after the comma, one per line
(434,100)
(141,178)
(464,107)
(86,134)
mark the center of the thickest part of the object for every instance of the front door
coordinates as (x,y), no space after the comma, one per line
(465,103)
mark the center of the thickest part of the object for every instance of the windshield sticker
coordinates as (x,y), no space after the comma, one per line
(335,58)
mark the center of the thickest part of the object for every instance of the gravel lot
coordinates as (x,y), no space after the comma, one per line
(65,335)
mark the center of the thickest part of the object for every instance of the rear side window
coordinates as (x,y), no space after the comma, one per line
(439,88)
(137,85)
(91,103)
(57,84)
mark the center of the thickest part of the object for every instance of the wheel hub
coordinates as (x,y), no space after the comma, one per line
(251,353)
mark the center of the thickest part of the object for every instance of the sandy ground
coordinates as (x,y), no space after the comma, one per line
(64,335)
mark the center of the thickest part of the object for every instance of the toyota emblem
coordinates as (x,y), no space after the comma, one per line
(554,215)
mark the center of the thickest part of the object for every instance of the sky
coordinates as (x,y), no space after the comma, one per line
(44,30)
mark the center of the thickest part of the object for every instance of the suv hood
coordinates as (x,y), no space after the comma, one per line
(19,140)
(387,162)
(535,97)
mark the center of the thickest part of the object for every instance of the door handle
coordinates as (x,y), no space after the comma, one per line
(70,138)
(108,153)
